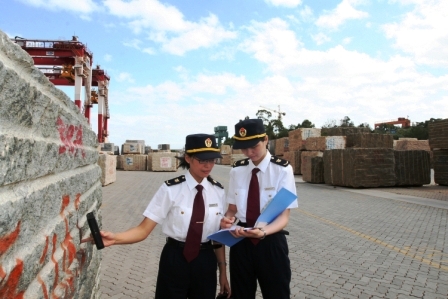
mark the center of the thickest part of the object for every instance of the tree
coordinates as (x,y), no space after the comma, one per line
(345,122)
(365,125)
(330,123)
(305,124)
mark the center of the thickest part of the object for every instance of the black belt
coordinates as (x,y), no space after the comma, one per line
(244,224)
(206,245)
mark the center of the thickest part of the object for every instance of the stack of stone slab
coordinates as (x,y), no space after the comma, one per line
(359,167)
(296,146)
(369,140)
(438,142)
(108,164)
(162,161)
(134,158)
(226,151)
(314,170)
(281,146)
(315,147)
(148,150)
(370,161)
(412,168)
(107,147)
(344,131)
(295,160)
(164,148)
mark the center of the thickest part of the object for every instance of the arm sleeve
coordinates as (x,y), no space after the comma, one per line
(159,206)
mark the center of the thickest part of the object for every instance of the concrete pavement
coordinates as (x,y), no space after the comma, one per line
(344,243)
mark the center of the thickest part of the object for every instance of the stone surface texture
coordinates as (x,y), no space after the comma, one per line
(49,181)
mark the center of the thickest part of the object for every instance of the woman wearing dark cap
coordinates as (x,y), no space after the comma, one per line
(263,254)
(189,209)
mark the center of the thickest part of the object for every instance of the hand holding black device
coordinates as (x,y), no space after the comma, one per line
(94,229)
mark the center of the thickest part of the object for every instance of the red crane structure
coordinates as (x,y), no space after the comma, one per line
(404,122)
(69,63)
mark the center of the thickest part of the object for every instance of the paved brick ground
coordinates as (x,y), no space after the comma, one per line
(343,243)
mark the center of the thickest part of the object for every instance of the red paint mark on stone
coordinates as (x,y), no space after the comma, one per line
(44,287)
(44,253)
(71,137)
(65,203)
(55,262)
(8,240)
(2,274)
(77,201)
(8,290)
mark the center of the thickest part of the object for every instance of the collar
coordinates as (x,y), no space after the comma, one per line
(263,164)
(191,182)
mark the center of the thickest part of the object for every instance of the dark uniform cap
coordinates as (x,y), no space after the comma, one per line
(248,133)
(202,146)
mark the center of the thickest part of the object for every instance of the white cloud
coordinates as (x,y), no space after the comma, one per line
(80,6)
(423,32)
(344,11)
(107,57)
(135,43)
(125,77)
(166,25)
(287,3)
(306,13)
(272,43)
(320,38)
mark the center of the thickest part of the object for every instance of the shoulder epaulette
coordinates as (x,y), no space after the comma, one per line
(243,162)
(175,181)
(216,183)
(278,161)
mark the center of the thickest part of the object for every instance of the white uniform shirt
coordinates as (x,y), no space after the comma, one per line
(271,178)
(172,207)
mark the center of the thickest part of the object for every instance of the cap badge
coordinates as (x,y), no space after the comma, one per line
(243,132)
(208,142)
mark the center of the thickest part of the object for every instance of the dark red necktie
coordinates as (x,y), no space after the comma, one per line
(194,235)
(253,202)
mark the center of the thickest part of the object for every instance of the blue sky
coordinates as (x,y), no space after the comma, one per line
(182,67)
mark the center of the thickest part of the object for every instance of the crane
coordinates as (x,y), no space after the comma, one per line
(279,112)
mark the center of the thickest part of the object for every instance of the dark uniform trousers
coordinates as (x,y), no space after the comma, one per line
(178,279)
(267,261)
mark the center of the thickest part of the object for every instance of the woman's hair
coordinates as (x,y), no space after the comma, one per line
(183,163)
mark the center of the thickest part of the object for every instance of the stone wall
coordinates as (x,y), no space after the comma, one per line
(49,181)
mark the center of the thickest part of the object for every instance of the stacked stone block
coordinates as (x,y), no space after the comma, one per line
(441,167)
(438,141)
(281,146)
(370,141)
(49,181)
(226,151)
(308,154)
(313,170)
(133,148)
(162,161)
(132,162)
(295,161)
(360,168)
(344,131)
(324,143)
(108,165)
(297,137)
(412,168)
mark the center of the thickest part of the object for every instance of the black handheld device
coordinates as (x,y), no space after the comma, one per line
(94,229)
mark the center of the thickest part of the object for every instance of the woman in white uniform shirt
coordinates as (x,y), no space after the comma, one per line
(186,273)
(263,255)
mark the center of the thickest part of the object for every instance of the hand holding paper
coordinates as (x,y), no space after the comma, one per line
(278,204)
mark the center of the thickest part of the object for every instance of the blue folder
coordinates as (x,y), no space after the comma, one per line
(273,209)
